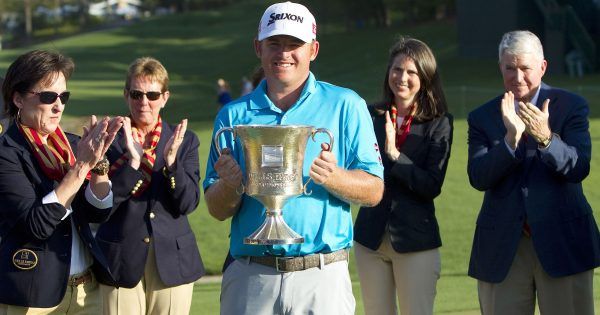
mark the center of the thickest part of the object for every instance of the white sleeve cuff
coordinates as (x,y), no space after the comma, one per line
(53,198)
(509,148)
(106,202)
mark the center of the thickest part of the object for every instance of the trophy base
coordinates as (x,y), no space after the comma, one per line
(274,231)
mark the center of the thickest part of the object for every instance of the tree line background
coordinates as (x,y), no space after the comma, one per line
(23,22)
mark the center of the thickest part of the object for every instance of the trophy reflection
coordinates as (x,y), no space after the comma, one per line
(274,156)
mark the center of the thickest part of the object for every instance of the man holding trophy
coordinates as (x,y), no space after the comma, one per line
(266,170)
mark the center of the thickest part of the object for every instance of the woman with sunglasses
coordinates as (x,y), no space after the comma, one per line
(52,185)
(148,241)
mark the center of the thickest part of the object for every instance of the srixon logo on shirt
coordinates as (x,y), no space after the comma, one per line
(284,16)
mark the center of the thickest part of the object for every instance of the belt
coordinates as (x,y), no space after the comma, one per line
(291,264)
(81,278)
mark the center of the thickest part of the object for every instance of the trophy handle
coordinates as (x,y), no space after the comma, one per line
(324,130)
(218,147)
(218,134)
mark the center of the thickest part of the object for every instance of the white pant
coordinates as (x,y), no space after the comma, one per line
(385,273)
(253,289)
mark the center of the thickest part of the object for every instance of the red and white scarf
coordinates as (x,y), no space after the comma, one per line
(148,158)
(55,157)
(403,130)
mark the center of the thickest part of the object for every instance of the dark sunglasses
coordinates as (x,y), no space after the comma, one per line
(138,95)
(50,97)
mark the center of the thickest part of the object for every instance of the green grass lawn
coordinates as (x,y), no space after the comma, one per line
(198,48)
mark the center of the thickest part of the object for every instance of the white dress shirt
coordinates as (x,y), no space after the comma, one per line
(81,258)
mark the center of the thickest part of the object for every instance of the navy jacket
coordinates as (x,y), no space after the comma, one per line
(541,187)
(26,223)
(159,214)
(411,184)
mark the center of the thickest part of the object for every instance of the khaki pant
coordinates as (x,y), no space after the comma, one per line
(83,299)
(149,296)
(386,274)
(516,295)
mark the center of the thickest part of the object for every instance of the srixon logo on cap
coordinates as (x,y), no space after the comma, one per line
(284,16)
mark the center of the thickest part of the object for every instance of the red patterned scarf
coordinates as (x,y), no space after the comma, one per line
(148,158)
(55,157)
(404,129)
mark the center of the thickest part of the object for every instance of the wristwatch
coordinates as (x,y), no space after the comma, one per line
(101,167)
(544,143)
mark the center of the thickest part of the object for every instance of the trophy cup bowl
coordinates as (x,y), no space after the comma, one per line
(274,156)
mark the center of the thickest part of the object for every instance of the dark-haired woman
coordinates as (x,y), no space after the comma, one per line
(46,202)
(397,241)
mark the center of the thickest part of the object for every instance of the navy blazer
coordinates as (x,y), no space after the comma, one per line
(159,214)
(26,223)
(542,187)
(411,184)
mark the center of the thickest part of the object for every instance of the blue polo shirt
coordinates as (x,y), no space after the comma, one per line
(322,219)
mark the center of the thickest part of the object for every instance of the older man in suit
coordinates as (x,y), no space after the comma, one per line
(529,150)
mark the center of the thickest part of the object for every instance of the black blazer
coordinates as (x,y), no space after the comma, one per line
(26,223)
(160,214)
(411,184)
(543,188)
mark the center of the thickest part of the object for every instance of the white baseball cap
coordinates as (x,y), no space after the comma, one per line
(288,18)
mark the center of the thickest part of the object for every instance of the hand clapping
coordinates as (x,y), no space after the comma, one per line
(535,120)
(173,144)
(512,122)
(390,138)
(97,137)
(134,148)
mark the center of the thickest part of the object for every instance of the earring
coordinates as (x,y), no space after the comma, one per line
(19,115)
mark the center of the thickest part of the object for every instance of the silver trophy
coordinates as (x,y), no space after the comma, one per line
(274,156)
